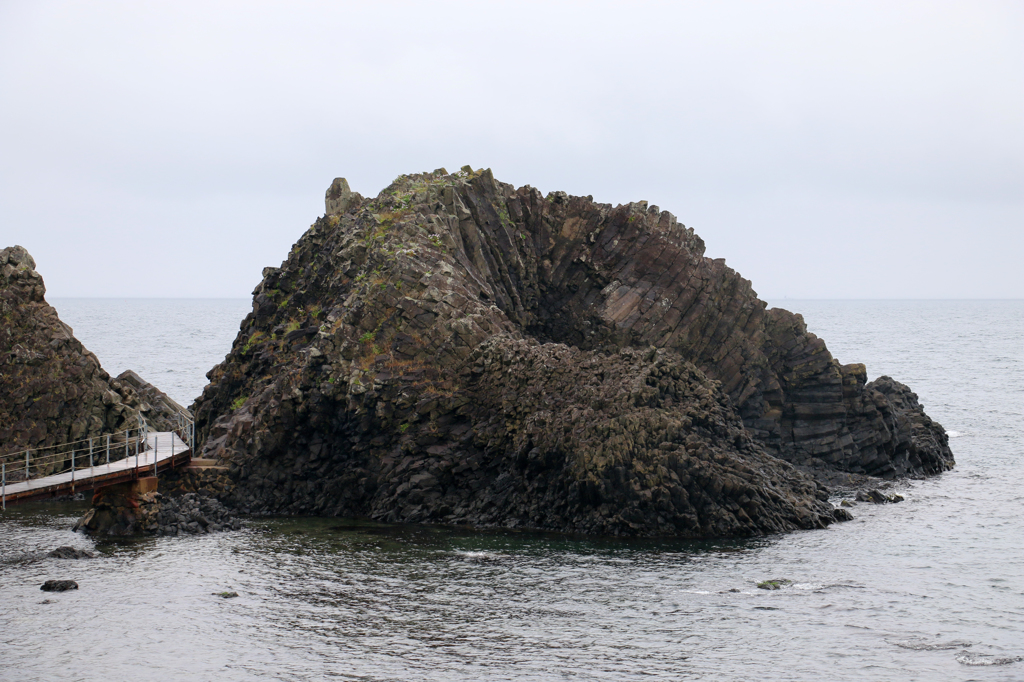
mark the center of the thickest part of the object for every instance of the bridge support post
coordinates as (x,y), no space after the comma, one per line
(4,474)
(90,454)
(26,464)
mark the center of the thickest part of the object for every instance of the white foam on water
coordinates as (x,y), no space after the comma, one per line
(954,434)
(923,645)
(479,556)
(967,658)
(808,586)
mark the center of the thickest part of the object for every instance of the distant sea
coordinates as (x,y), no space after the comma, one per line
(928,589)
(171,343)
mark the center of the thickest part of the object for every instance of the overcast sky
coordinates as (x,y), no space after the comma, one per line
(824,149)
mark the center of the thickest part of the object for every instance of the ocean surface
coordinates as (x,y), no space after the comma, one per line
(928,589)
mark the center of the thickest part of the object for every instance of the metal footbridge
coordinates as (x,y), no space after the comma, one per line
(94,462)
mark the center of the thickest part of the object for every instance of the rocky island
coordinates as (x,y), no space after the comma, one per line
(460,351)
(52,389)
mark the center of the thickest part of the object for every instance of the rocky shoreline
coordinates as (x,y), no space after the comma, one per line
(123,510)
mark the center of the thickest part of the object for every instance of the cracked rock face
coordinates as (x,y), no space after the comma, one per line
(53,390)
(460,351)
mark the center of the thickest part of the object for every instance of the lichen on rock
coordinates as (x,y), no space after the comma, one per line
(460,351)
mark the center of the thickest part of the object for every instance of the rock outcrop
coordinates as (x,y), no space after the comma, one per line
(461,351)
(136,508)
(53,390)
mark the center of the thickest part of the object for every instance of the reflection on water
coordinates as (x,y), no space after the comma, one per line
(333,597)
(929,589)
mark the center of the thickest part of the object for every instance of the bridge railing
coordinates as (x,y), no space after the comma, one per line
(185,427)
(33,463)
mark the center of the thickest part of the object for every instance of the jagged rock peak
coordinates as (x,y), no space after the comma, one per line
(18,268)
(339,197)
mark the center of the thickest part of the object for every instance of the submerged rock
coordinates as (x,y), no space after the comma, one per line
(460,351)
(70,553)
(58,586)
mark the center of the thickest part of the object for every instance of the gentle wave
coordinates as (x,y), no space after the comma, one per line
(967,658)
(920,645)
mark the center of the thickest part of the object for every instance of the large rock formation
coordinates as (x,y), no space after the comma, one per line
(53,390)
(460,351)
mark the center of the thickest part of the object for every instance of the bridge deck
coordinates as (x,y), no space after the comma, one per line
(163,448)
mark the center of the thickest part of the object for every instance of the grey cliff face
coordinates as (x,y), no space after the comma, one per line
(461,351)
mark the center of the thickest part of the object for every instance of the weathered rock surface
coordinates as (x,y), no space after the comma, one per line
(53,390)
(460,351)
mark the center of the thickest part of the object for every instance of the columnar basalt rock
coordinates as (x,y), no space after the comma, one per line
(460,351)
(53,390)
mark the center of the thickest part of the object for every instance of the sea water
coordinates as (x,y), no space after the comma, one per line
(928,589)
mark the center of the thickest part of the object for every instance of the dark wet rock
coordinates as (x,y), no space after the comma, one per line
(226,595)
(841,514)
(460,351)
(70,553)
(58,586)
(121,511)
(194,514)
(53,390)
(878,497)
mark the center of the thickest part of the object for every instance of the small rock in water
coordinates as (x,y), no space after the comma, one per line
(847,503)
(877,497)
(226,595)
(775,584)
(70,553)
(59,585)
